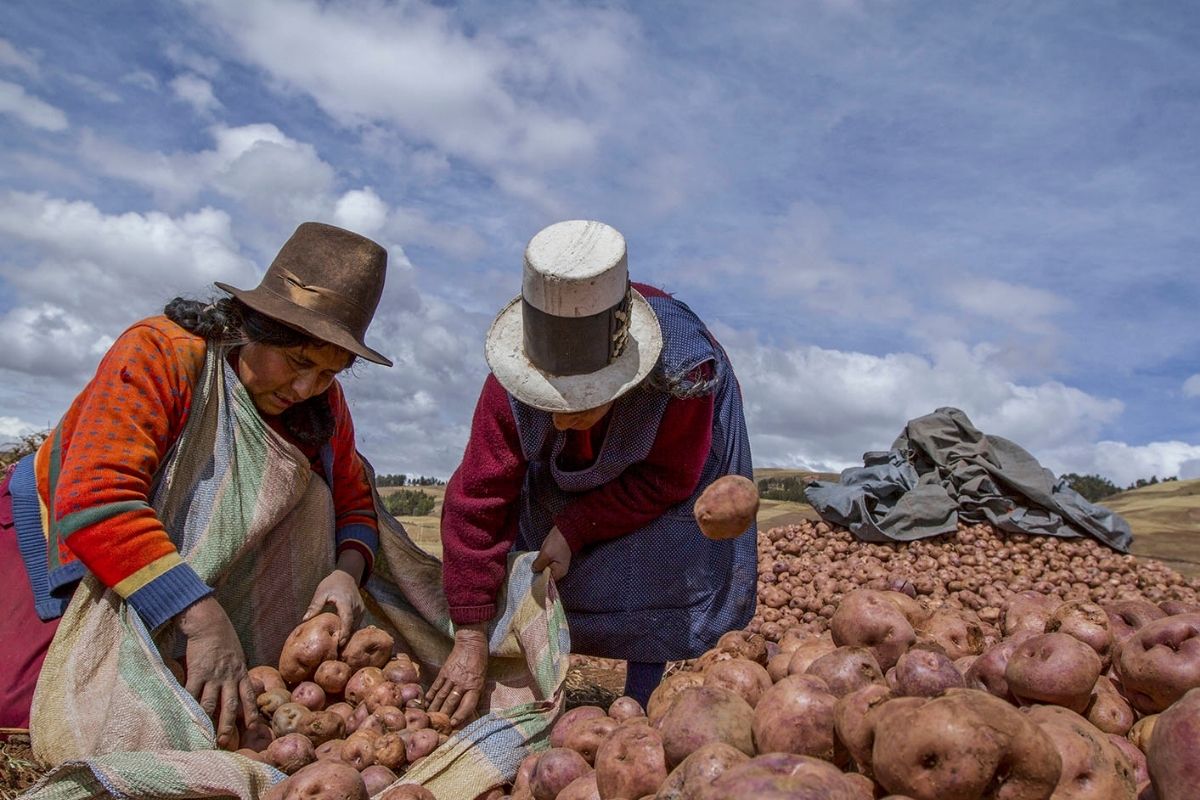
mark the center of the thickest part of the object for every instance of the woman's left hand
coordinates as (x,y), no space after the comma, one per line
(340,590)
(555,554)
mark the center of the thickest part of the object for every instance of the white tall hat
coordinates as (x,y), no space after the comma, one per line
(578,335)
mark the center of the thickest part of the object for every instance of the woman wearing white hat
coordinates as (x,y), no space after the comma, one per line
(609,409)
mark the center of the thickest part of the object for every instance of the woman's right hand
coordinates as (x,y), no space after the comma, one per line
(216,668)
(457,688)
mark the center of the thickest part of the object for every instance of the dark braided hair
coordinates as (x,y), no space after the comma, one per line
(228,322)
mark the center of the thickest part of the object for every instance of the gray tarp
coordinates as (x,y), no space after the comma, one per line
(942,469)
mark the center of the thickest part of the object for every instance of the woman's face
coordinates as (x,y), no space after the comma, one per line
(279,377)
(581,420)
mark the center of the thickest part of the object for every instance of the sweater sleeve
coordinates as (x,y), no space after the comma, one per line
(126,420)
(479,512)
(356,524)
(642,493)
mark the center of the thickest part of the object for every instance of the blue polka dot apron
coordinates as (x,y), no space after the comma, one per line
(664,592)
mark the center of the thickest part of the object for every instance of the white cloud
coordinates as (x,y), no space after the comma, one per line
(141,79)
(1123,464)
(13,428)
(10,56)
(360,210)
(196,92)
(412,67)
(822,409)
(97,89)
(29,109)
(1024,307)
(1191,387)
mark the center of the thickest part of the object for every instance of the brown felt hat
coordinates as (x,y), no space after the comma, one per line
(326,282)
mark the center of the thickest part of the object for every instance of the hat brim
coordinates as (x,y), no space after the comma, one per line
(569,394)
(305,320)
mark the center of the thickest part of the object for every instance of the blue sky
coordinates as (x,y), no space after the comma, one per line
(881,208)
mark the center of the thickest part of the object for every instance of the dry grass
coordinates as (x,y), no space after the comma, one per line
(1165,519)
(18,770)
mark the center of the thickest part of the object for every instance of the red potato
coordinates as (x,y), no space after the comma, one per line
(1160,662)
(777,667)
(1173,607)
(586,736)
(324,780)
(744,644)
(520,789)
(421,743)
(361,683)
(1127,616)
(558,733)
(698,770)
(384,694)
(1028,612)
(358,718)
(1108,710)
(556,768)
(330,750)
(796,716)
(253,755)
(727,507)
(582,788)
(392,718)
(846,669)
(868,619)
(1092,769)
(741,676)
(630,763)
(290,752)
(963,745)
(1053,668)
(415,719)
(781,776)
(624,708)
(926,673)
(805,654)
(987,671)
(855,717)
(264,678)
(343,710)
(308,645)
(331,676)
(376,778)
(407,791)
(667,690)
(309,695)
(368,647)
(705,714)
(958,633)
(401,670)
(1173,757)
(1088,623)
(1135,757)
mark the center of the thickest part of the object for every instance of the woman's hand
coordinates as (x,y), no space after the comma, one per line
(216,668)
(456,689)
(555,554)
(340,590)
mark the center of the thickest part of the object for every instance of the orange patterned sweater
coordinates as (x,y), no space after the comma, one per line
(111,442)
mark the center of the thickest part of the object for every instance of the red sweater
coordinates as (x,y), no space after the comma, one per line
(480,510)
(112,440)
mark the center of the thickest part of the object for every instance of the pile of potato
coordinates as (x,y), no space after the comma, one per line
(1059,699)
(805,570)
(347,720)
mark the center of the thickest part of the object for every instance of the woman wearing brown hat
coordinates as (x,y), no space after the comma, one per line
(610,407)
(85,502)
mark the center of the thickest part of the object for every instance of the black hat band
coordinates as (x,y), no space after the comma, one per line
(575,345)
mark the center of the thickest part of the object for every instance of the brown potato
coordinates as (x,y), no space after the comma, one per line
(630,763)
(407,791)
(699,769)
(361,682)
(582,788)
(391,751)
(359,750)
(727,507)
(1108,710)
(744,644)
(855,718)
(665,693)
(272,699)
(384,694)
(330,750)
(289,718)
(958,633)
(1088,623)
(1028,611)
(1142,730)
(321,726)
(808,652)
(401,669)
(308,645)
(1053,668)
(343,710)
(586,736)
(368,647)
(926,673)
(264,678)
(1135,757)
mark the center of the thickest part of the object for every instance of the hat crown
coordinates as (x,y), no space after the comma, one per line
(575,268)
